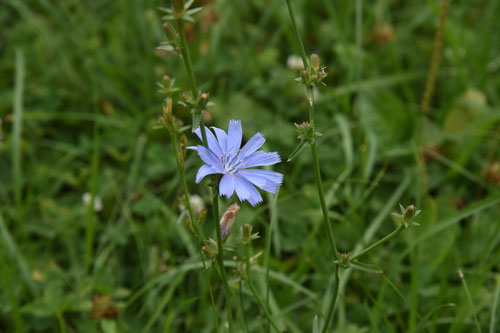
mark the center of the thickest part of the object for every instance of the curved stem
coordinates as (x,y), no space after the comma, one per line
(379,242)
(254,290)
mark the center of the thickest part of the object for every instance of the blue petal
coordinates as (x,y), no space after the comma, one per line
(252,145)
(266,180)
(205,170)
(222,138)
(234,137)
(207,156)
(226,186)
(211,140)
(260,158)
(246,191)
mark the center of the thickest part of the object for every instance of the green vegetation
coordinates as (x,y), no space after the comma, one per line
(95,234)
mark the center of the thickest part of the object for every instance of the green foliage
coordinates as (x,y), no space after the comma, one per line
(83,117)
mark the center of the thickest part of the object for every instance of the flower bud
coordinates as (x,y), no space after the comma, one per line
(409,213)
(202,100)
(314,61)
(305,131)
(227,220)
(170,33)
(167,112)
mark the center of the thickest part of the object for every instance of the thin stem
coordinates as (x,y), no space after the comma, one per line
(297,33)
(220,255)
(331,307)
(192,80)
(268,249)
(469,298)
(317,171)
(187,58)
(379,242)
(180,170)
(254,290)
(215,203)
(242,310)
(321,193)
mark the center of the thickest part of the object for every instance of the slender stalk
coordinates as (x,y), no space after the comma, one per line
(192,79)
(297,34)
(379,242)
(242,310)
(187,58)
(317,171)
(180,170)
(469,298)
(215,203)
(268,248)
(220,255)
(254,290)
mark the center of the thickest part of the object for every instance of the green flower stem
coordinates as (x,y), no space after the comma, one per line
(187,58)
(297,34)
(317,171)
(192,80)
(254,290)
(196,226)
(321,193)
(379,242)
(215,203)
(220,255)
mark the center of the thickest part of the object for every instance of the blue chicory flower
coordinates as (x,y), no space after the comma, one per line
(224,156)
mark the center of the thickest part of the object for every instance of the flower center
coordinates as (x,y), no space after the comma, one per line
(231,164)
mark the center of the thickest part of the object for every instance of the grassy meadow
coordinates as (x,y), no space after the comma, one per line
(95,235)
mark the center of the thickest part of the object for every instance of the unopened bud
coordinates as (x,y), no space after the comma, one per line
(227,220)
(314,61)
(170,33)
(305,131)
(167,112)
(409,213)
(202,100)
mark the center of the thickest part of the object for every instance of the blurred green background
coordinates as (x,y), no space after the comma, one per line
(79,109)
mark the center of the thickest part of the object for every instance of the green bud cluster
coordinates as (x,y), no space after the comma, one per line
(314,73)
